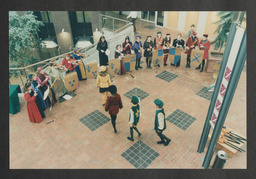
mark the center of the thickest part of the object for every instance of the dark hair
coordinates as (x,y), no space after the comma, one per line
(26,86)
(112,89)
(179,34)
(117,46)
(127,37)
(192,25)
(101,37)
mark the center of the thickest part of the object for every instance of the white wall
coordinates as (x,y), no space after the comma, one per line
(201,23)
(181,20)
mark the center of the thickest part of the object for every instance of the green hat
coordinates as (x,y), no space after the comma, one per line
(159,103)
(135,99)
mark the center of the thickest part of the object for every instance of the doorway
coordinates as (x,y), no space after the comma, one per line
(148,15)
(160,18)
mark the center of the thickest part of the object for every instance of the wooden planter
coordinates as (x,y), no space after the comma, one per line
(213,58)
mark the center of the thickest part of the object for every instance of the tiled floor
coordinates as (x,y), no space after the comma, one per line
(62,141)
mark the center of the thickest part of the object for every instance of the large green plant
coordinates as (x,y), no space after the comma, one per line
(23,38)
(224,24)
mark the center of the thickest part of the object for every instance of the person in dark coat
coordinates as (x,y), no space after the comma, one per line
(113,104)
(137,48)
(178,43)
(160,122)
(33,111)
(127,46)
(102,47)
(148,50)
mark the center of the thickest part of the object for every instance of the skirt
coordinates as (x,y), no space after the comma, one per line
(102,90)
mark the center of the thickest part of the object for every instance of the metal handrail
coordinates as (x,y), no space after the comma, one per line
(82,49)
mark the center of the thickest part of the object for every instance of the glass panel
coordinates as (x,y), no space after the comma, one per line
(151,16)
(160,18)
(44,16)
(79,16)
(87,17)
(50,16)
(144,15)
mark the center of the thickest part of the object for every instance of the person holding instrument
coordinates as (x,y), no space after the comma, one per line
(33,111)
(138,51)
(69,64)
(178,43)
(191,44)
(166,45)
(79,65)
(127,46)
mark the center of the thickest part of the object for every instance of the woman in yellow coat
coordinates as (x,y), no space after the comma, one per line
(103,82)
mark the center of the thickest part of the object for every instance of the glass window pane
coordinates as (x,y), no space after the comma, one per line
(50,16)
(44,16)
(79,16)
(87,17)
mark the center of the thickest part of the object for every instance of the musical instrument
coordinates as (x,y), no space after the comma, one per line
(187,51)
(107,52)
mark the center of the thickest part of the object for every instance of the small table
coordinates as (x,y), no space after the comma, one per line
(14,103)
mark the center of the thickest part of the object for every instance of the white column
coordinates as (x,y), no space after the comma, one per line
(165,18)
(181,20)
(201,23)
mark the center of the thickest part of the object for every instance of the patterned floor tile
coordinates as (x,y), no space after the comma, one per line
(167,76)
(140,155)
(180,119)
(204,93)
(136,92)
(94,120)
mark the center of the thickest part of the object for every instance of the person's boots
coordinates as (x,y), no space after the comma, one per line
(149,65)
(131,138)
(167,142)
(160,142)
(136,64)
(114,126)
(202,69)
(197,68)
(147,62)
(135,128)
(139,64)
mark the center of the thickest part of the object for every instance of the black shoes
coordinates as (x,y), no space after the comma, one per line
(201,70)
(129,138)
(168,141)
(197,68)
(165,64)
(140,66)
(160,142)
(139,134)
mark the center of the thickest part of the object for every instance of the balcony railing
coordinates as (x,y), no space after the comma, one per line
(115,30)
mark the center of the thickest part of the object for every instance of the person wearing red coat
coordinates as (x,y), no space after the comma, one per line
(33,111)
(204,45)
(191,43)
(127,46)
(113,104)
(69,63)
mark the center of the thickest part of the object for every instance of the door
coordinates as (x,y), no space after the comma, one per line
(160,18)
(148,16)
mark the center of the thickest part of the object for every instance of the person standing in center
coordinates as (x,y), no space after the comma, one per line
(133,15)
(134,117)
(158,41)
(137,48)
(103,82)
(148,48)
(127,46)
(191,44)
(160,122)
(102,47)
(178,43)
(113,104)
(166,45)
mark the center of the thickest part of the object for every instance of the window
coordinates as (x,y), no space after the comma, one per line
(46,16)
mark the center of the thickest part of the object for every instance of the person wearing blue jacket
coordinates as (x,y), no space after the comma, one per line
(137,48)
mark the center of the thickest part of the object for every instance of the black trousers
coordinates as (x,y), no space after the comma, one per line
(148,60)
(161,135)
(137,64)
(133,22)
(188,59)
(203,63)
(113,120)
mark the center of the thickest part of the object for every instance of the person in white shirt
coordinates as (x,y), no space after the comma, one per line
(133,15)
(160,122)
